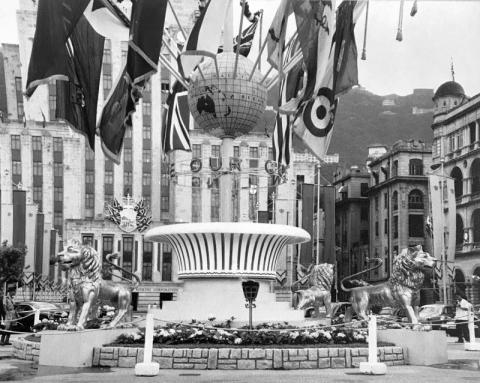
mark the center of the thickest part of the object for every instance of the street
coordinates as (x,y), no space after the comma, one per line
(462,366)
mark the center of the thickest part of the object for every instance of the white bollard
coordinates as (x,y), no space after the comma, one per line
(36,317)
(372,367)
(472,345)
(148,368)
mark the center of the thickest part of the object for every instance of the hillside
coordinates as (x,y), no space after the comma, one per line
(364,118)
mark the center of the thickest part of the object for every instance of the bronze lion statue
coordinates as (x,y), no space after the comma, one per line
(320,279)
(402,288)
(87,287)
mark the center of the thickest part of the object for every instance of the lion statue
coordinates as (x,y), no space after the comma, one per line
(320,279)
(88,288)
(402,288)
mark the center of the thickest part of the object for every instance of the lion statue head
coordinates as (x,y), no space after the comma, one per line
(322,276)
(409,265)
(80,258)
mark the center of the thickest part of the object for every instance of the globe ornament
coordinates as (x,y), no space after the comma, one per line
(222,105)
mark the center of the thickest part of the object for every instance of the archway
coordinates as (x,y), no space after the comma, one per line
(457,175)
(476,226)
(459,281)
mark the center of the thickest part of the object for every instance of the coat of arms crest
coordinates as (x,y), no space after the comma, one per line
(130,216)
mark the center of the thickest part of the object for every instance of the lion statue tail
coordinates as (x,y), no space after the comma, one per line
(134,281)
(349,277)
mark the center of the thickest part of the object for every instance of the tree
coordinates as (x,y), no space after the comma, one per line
(11,262)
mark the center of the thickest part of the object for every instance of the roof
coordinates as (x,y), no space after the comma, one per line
(449,88)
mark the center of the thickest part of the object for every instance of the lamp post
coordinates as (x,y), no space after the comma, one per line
(250,291)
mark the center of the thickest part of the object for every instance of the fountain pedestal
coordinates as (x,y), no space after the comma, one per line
(214,259)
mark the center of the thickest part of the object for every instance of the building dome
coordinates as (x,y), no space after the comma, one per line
(223,105)
(449,88)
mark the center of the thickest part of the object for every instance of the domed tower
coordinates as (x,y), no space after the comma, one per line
(448,96)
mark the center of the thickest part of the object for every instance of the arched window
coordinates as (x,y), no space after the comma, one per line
(415,199)
(459,280)
(395,200)
(475,175)
(459,232)
(457,175)
(476,226)
(415,167)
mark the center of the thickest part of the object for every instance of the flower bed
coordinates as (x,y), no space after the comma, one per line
(265,334)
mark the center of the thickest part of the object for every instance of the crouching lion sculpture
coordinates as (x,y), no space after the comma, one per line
(401,290)
(88,288)
(320,279)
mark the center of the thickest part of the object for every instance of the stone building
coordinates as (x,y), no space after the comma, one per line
(66,185)
(456,151)
(399,201)
(351,221)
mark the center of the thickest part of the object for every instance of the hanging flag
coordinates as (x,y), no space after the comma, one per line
(276,34)
(335,72)
(246,39)
(146,32)
(345,57)
(68,46)
(205,37)
(176,121)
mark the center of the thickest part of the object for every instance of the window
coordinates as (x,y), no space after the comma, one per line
(89,154)
(147,156)
(451,143)
(395,200)
(167,264)
(460,140)
(376,203)
(36,143)
(385,226)
(19,95)
(473,134)
(196,151)
(364,213)
(376,228)
(127,155)
(415,199)
(127,256)
(253,197)
(415,225)
(215,151)
(385,200)
(58,221)
(364,189)
(89,176)
(270,154)
(395,226)
(215,201)
(15,142)
(37,169)
(58,169)
(147,261)
(38,196)
(57,144)
(147,133)
(127,178)
(89,201)
(16,168)
(107,85)
(395,168)
(253,157)
(236,151)
(52,100)
(107,248)
(164,203)
(415,167)
(146,179)
(87,239)
(108,177)
(124,50)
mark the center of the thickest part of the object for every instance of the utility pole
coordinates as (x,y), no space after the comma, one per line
(317,258)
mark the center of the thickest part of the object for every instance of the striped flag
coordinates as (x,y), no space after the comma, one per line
(246,39)
(176,121)
(276,33)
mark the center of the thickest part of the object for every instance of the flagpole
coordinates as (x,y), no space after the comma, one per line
(258,58)
(260,38)
(175,74)
(178,21)
(239,42)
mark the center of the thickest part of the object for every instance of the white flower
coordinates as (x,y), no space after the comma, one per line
(294,334)
(238,341)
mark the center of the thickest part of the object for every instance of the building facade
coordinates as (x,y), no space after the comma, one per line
(399,202)
(66,186)
(456,152)
(351,222)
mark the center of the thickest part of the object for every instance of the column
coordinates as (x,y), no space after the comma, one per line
(139,265)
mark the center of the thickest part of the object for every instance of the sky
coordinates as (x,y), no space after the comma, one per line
(440,32)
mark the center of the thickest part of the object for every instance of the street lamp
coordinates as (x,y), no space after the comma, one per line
(250,291)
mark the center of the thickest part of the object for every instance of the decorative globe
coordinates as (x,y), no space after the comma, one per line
(222,105)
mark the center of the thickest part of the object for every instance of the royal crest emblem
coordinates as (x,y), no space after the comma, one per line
(130,216)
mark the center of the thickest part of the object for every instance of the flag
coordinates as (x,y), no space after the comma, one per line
(276,34)
(68,47)
(345,56)
(205,37)
(246,39)
(146,32)
(335,70)
(176,121)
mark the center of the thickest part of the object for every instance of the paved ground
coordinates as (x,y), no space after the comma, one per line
(463,366)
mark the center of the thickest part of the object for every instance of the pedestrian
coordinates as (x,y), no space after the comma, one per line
(463,308)
(9,316)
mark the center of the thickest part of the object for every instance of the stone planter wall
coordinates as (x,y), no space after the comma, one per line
(246,358)
(26,350)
